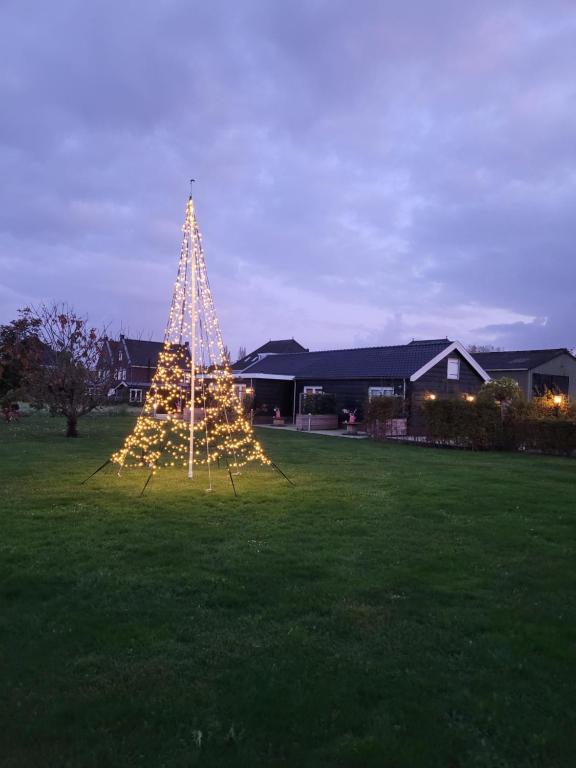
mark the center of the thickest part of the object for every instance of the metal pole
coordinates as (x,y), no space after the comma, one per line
(191,245)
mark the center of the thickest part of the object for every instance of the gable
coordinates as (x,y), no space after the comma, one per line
(453,349)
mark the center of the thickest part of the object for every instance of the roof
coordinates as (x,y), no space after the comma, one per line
(139,353)
(429,341)
(523,360)
(272,347)
(142,352)
(399,361)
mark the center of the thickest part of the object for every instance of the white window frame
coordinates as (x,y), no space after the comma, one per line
(138,398)
(240,391)
(119,356)
(121,374)
(453,368)
(380,392)
(313,390)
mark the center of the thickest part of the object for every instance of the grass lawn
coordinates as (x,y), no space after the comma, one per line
(398,607)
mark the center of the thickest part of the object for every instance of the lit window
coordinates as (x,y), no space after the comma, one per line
(313,390)
(380,392)
(453,368)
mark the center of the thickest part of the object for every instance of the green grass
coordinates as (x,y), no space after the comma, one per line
(398,607)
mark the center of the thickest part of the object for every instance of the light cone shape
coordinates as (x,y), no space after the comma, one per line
(191,414)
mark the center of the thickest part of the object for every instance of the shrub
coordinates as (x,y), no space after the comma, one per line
(544,407)
(504,390)
(451,421)
(550,435)
(320,403)
(484,425)
(379,414)
(382,409)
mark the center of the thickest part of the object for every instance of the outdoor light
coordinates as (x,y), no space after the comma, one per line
(216,428)
(431,396)
(557,399)
(470,398)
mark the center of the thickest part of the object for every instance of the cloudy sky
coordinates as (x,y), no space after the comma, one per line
(368,172)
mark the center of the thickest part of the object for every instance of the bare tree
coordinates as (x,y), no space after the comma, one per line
(483,348)
(241,352)
(75,375)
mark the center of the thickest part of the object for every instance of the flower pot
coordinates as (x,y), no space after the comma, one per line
(307,422)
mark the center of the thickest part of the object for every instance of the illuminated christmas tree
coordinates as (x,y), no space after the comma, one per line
(191,414)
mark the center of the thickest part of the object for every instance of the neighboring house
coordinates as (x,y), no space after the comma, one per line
(535,370)
(412,372)
(278,347)
(135,364)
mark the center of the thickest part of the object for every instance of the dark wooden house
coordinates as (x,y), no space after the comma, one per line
(412,372)
(535,370)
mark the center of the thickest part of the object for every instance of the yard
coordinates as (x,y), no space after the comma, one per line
(399,606)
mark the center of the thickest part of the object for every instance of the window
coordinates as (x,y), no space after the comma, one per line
(119,356)
(453,371)
(240,391)
(121,374)
(135,395)
(380,392)
(542,382)
(313,390)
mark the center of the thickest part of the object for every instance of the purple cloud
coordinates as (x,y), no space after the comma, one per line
(367,173)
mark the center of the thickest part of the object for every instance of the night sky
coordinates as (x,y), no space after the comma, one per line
(368,172)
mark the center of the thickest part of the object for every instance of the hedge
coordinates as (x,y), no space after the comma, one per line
(383,408)
(475,425)
(550,435)
(485,426)
(320,403)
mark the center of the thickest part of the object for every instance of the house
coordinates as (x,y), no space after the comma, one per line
(134,362)
(535,370)
(277,347)
(413,371)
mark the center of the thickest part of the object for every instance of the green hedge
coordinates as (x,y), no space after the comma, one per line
(382,409)
(484,425)
(320,403)
(476,425)
(549,435)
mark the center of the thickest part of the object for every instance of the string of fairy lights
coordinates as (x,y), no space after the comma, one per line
(191,414)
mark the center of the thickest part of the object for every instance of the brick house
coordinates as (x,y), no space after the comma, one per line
(134,362)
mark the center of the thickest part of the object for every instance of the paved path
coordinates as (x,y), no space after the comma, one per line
(326,432)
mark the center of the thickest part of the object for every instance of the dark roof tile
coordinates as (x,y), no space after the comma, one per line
(517,360)
(276,347)
(399,361)
(143,353)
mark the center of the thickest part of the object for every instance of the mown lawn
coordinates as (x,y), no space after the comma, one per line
(398,607)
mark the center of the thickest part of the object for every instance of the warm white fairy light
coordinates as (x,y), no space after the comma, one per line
(163,436)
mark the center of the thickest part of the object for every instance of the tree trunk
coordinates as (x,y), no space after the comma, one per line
(71,430)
